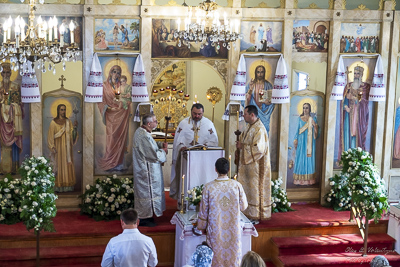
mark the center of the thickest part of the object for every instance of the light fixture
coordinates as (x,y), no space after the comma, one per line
(207,28)
(36,43)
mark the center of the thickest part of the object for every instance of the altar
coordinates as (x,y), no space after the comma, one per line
(186,242)
(394,225)
(198,166)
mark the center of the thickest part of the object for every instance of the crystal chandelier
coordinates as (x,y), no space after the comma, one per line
(36,43)
(207,28)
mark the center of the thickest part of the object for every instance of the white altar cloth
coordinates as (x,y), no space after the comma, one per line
(186,242)
(394,226)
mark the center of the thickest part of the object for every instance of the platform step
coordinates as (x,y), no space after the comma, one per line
(334,260)
(344,243)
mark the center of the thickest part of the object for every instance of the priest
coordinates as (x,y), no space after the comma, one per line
(255,167)
(148,155)
(191,131)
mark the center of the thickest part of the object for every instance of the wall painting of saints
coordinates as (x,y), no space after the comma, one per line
(310,36)
(355,113)
(166,44)
(305,139)
(396,133)
(260,78)
(359,38)
(261,36)
(63,139)
(113,117)
(15,127)
(117,34)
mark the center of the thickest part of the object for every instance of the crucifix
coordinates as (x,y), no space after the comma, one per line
(62,79)
(196,135)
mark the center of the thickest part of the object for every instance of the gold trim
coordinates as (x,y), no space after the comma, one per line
(262,5)
(361,7)
(171,3)
(344,4)
(296,4)
(282,4)
(313,6)
(331,4)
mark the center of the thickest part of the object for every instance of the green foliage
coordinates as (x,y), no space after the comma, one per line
(11,196)
(363,184)
(195,195)
(106,199)
(280,202)
(39,202)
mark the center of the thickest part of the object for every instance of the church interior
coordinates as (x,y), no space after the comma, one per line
(314,44)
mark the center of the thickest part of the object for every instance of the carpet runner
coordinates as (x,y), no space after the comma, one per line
(332,250)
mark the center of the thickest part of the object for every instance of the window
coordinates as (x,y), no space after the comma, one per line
(300,80)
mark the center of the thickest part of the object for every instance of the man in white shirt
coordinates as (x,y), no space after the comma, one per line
(131,248)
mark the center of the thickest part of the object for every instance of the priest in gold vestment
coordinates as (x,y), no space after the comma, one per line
(219,215)
(254,166)
(61,137)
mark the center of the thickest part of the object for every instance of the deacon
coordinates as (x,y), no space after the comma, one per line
(254,166)
(191,131)
(147,173)
(219,215)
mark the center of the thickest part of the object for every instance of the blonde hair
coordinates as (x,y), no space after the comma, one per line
(252,259)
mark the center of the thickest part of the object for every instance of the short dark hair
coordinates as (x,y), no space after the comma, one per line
(198,106)
(129,216)
(146,118)
(251,109)
(222,166)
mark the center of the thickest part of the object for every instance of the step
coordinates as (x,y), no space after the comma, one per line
(344,243)
(334,260)
(65,252)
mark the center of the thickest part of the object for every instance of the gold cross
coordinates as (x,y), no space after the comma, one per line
(62,79)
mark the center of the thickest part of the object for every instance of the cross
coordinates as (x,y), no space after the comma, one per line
(62,79)
(196,134)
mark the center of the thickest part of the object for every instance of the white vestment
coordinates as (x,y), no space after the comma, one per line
(184,137)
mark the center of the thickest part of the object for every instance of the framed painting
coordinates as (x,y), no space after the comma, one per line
(261,36)
(394,188)
(261,70)
(306,122)
(165,44)
(310,36)
(113,118)
(359,38)
(15,123)
(116,34)
(64,106)
(355,113)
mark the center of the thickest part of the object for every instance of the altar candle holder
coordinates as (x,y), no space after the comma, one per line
(186,97)
(162,91)
(155,92)
(174,91)
(180,93)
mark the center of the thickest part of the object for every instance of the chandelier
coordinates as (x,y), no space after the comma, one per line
(36,43)
(207,28)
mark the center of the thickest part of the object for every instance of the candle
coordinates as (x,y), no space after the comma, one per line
(234,177)
(237,115)
(195,98)
(71,28)
(62,30)
(183,185)
(230,165)
(55,22)
(50,24)
(169,106)
(5,33)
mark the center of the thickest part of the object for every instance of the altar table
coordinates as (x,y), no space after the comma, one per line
(186,242)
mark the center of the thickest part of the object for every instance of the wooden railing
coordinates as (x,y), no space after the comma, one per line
(361,219)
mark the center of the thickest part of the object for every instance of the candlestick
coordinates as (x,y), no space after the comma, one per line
(237,114)
(183,184)
(230,166)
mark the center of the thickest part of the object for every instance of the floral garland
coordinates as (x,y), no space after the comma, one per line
(279,198)
(360,182)
(106,199)
(11,196)
(39,202)
(280,202)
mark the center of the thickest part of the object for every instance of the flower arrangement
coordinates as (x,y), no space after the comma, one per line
(280,202)
(106,199)
(339,196)
(195,195)
(11,196)
(39,202)
(365,187)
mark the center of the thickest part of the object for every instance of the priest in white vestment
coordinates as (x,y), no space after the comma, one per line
(219,215)
(191,131)
(148,155)
(255,166)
